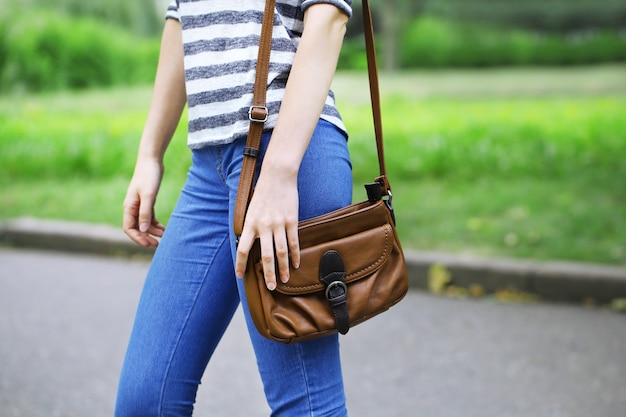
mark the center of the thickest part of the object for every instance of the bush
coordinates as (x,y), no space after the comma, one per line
(140,17)
(50,51)
(434,42)
(353,54)
(556,16)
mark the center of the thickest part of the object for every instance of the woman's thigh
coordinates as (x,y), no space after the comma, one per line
(188,300)
(305,379)
(325,176)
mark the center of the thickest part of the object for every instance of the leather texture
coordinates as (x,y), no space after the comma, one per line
(375,275)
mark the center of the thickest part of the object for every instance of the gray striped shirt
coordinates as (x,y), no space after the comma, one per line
(221,39)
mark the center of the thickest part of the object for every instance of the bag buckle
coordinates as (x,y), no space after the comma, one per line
(336,297)
(258,114)
(332,274)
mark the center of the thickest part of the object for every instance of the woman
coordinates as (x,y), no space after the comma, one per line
(207,60)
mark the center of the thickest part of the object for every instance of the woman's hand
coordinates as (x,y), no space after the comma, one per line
(139,222)
(273,218)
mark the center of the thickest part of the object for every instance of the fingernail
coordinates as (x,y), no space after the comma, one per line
(143,227)
(284,278)
(271,286)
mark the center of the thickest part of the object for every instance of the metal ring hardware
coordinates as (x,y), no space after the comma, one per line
(256,109)
(334,284)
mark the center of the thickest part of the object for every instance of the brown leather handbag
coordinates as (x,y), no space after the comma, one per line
(352,265)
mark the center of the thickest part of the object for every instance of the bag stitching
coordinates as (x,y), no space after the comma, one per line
(350,278)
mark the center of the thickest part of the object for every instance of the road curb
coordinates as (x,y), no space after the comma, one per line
(553,281)
(66,236)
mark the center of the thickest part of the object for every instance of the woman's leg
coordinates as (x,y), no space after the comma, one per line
(305,379)
(188,300)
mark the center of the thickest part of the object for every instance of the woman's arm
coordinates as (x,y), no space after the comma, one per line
(273,212)
(167,104)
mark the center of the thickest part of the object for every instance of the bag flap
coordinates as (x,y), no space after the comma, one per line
(362,254)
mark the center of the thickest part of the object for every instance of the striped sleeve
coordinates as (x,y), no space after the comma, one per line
(172,11)
(343,5)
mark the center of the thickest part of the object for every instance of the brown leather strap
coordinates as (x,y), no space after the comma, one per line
(258,111)
(372,70)
(258,115)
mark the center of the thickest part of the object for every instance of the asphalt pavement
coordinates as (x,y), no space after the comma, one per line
(65,320)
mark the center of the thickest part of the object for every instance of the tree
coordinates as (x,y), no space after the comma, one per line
(391,18)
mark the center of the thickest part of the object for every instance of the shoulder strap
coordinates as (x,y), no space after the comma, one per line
(372,70)
(258,111)
(258,116)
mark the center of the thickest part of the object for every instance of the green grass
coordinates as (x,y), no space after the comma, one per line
(88,200)
(535,178)
(536,137)
(526,217)
(529,168)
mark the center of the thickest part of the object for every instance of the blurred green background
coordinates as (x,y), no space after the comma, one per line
(47,45)
(504,121)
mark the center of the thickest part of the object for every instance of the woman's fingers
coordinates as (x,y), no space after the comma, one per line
(267,259)
(281,249)
(139,222)
(276,253)
(293,240)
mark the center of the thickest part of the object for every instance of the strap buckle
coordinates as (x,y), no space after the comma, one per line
(336,297)
(332,275)
(258,114)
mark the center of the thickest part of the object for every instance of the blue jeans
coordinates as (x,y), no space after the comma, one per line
(191,293)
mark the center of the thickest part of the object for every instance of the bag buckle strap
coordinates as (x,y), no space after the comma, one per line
(375,192)
(258,114)
(332,274)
